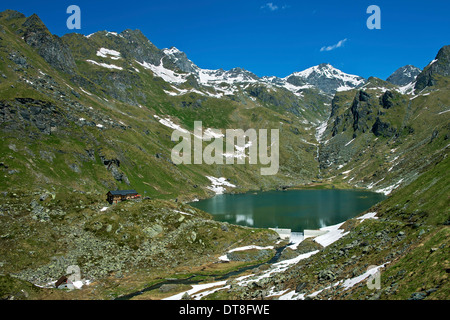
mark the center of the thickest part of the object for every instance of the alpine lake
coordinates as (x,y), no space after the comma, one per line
(291,209)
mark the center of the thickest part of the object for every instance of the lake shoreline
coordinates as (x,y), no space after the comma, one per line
(295,209)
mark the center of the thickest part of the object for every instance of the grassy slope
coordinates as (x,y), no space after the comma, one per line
(131,133)
(33,162)
(382,161)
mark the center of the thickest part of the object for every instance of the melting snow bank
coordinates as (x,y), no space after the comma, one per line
(369,215)
(164,73)
(333,234)
(225,258)
(108,53)
(105,65)
(344,284)
(389,189)
(320,130)
(197,288)
(170,124)
(76,284)
(218,184)
(295,239)
(197,291)
(281,266)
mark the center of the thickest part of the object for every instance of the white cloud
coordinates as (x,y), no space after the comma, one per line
(270,6)
(273,7)
(334,46)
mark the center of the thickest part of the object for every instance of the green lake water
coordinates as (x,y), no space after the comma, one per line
(293,209)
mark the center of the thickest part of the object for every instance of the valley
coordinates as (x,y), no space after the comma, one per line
(84,115)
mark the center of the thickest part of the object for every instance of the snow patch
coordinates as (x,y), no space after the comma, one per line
(351,282)
(389,189)
(218,184)
(277,268)
(344,284)
(108,53)
(347,172)
(105,65)
(225,258)
(350,142)
(407,89)
(162,72)
(185,213)
(320,130)
(170,124)
(197,288)
(444,111)
(333,234)
(88,93)
(369,215)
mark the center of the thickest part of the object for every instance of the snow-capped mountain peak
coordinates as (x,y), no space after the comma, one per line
(171,51)
(326,78)
(404,75)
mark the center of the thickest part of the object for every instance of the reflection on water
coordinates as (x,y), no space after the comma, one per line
(243,219)
(293,209)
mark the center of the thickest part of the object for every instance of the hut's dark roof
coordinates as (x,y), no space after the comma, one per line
(123,192)
(60,281)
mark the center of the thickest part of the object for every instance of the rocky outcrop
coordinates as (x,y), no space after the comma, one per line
(440,66)
(49,47)
(389,99)
(384,129)
(180,60)
(136,46)
(361,110)
(285,100)
(250,255)
(112,165)
(404,75)
(22,112)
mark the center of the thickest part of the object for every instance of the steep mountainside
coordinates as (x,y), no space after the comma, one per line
(436,69)
(96,112)
(374,137)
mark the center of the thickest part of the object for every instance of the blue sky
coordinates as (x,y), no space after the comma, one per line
(269,37)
